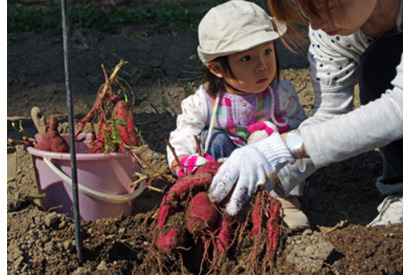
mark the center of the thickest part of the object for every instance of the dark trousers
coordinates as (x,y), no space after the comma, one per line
(376,70)
(220,146)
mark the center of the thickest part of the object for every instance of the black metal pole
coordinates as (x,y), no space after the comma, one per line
(67,70)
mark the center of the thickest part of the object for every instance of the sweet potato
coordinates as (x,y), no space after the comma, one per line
(116,127)
(164,212)
(179,192)
(170,239)
(273,228)
(201,214)
(257,214)
(173,235)
(224,236)
(98,144)
(57,143)
(51,140)
(122,114)
(273,232)
(42,142)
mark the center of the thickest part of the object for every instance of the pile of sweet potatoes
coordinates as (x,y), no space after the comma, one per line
(189,223)
(49,140)
(111,119)
(116,131)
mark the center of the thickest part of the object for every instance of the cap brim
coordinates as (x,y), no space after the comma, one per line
(243,44)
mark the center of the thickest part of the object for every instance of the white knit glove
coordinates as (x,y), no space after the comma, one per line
(249,167)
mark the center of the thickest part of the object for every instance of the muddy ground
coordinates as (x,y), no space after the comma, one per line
(340,199)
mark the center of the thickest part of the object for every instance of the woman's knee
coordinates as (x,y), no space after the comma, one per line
(377,66)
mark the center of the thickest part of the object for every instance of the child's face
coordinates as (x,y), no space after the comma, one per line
(253,70)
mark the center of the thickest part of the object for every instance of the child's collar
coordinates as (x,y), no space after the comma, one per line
(239,92)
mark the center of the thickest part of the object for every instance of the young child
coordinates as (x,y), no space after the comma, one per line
(242,99)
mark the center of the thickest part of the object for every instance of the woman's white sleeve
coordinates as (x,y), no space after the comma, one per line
(333,65)
(371,126)
(190,123)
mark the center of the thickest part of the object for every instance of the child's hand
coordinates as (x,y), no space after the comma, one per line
(191,162)
(263,129)
(260,130)
(266,126)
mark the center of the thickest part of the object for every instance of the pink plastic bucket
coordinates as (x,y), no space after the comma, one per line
(104,181)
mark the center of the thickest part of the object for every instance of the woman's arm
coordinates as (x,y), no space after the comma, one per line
(333,64)
(371,126)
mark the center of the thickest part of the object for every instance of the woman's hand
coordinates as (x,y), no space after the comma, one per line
(247,169)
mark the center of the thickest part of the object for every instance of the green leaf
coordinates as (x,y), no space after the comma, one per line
(193,57)
(138,102)
(120,122)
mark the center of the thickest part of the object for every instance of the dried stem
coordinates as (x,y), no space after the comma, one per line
(110,81)
(161,175)
(175,156)
(198,145)
(155,189)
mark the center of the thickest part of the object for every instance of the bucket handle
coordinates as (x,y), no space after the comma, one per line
(96,194)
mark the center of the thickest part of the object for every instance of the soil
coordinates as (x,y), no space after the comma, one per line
(340,200)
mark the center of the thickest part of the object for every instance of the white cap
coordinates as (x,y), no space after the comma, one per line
(235,26)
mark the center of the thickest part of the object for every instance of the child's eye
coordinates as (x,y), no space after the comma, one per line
(245,58)
(268,51)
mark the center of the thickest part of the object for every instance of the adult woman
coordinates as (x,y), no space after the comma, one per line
(350,39)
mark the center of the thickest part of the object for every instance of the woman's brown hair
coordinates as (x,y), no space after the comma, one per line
(289,13)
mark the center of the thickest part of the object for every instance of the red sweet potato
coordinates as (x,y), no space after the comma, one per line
(170,239)
(179,192)
(257,214)
(225,233)
(273,228)
(42,142)
(116,127)
(57,143)
(173,235)
(164,212)
(201,214)
(122,113)
(51,140)
(96,145)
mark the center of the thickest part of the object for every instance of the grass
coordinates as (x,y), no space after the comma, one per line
(159,16)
